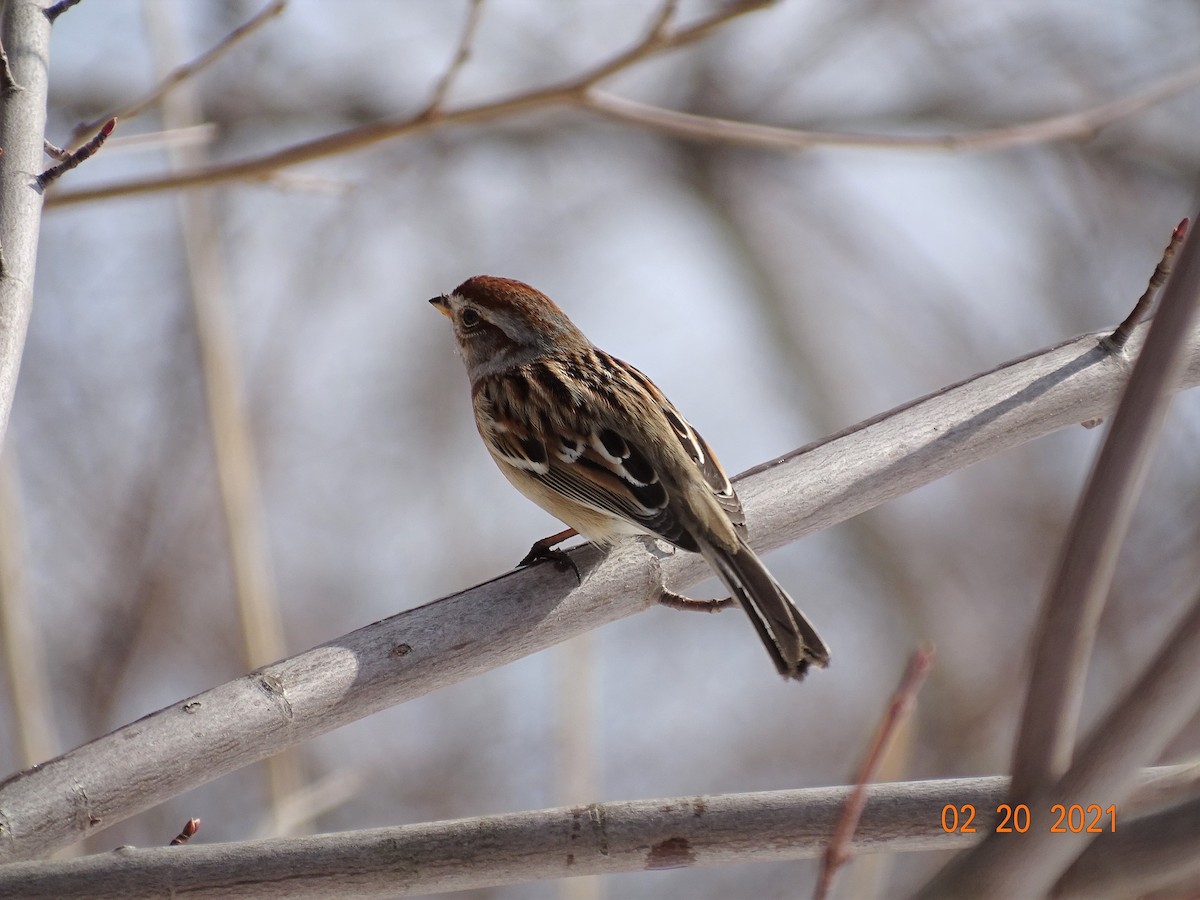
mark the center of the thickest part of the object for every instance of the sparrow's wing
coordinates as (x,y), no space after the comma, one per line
(601,469)
(695,447)
(539,423)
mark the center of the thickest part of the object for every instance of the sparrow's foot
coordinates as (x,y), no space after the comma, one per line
(678,601)
(545,551)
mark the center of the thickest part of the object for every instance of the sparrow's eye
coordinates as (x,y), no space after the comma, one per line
(469,318)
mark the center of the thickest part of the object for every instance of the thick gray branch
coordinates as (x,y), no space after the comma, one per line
(25,33)
(548,843)
(441,643)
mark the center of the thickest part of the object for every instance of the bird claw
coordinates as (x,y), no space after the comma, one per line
(540,553)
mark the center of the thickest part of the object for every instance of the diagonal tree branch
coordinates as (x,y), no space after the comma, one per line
(1068,126)
(520,613)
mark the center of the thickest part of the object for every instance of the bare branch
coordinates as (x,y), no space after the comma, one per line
(662,22)
(1075,596)
(660,37)
(438,857)
(580,91)
(568,92)
(1069,126)
(898,710)
(185,71)
(461,55)
(1158,278)
(449,640)
(671,600)
(190,136)
(74,158)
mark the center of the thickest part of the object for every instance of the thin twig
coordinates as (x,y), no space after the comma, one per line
(189,136)
(1141,309)
(662,22)
(461,55)
(53,12)
(659,38)
(672,600)
(8,83)
(190,827)
(71,160)
(564,93)
(185,71)
(898,710)
(1075,596)
(55,152)
(1069,126)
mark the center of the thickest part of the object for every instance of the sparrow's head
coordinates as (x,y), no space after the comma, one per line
(500,323)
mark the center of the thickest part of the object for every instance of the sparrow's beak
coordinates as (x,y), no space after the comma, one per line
(443,305)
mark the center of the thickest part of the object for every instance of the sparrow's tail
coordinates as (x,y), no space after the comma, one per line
(793,643)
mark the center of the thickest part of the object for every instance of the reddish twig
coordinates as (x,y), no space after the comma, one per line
(677,601)
(902,703)
(1141,309)
(190,827)
(71,160)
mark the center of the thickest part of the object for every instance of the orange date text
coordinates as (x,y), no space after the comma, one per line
(1017,819)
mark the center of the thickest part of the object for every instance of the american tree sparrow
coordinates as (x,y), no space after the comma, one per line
(592,441)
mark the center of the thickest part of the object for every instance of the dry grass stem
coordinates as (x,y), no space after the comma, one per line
(901,706)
